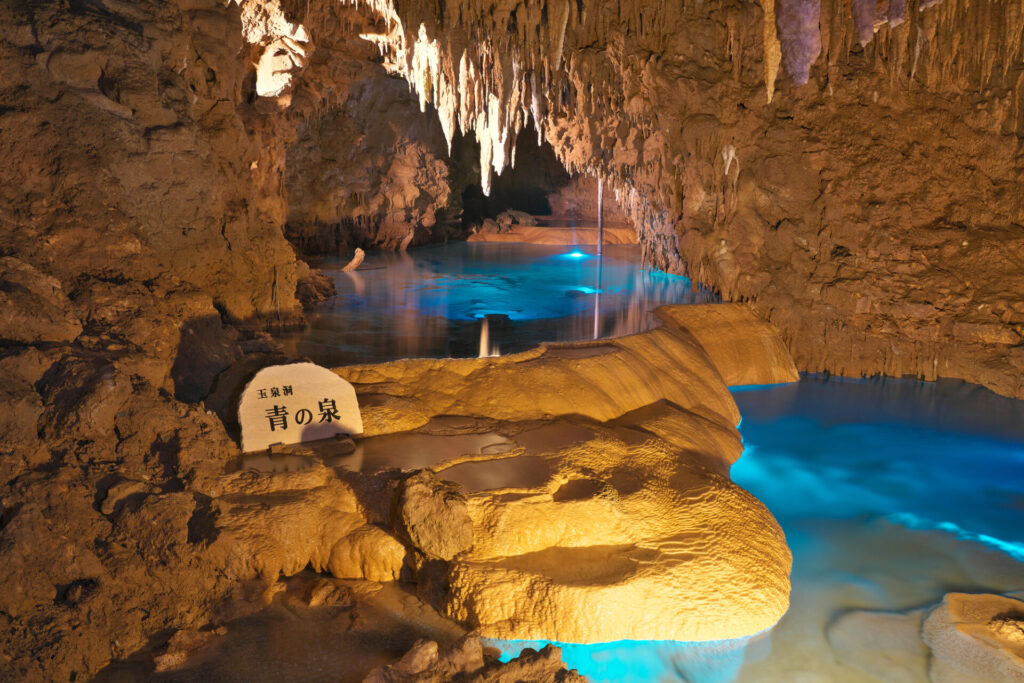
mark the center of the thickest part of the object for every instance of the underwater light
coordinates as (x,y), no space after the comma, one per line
(576,253)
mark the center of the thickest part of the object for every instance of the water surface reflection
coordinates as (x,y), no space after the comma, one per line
(430,301)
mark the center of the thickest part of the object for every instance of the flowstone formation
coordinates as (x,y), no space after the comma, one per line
(606,512)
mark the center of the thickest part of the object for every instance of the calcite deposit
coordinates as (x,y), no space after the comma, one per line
(975,638)
(634,530)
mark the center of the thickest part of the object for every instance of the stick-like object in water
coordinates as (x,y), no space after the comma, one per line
(356,260)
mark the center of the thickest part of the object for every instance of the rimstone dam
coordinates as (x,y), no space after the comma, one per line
(512,341)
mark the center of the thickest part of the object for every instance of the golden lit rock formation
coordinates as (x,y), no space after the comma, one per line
(733,336)
(597,507)
(634,531)
(623,542)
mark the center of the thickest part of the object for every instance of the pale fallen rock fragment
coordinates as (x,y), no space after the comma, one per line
(975,638)
(328,592)
(118,494)
(182,645)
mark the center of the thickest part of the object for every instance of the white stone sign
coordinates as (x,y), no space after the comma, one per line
(293,403)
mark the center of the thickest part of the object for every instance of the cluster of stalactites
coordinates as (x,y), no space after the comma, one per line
(792,33)
(793,30)
(493,83)
(481,86)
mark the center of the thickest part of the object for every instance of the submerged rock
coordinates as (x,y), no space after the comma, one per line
(975,638)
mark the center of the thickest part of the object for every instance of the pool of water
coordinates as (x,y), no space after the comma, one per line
(891,493)
(432,301)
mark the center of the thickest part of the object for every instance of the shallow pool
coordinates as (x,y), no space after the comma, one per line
(891,493)
(432,301)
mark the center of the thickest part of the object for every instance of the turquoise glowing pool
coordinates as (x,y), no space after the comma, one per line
(891,493)
(432,301)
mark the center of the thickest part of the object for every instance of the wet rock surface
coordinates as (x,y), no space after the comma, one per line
(466,662)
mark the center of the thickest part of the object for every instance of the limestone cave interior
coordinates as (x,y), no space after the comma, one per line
(519,340)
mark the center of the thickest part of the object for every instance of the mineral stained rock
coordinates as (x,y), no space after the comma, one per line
(432,515)
(733,336)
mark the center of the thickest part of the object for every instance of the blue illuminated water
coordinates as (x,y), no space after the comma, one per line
(430,301)
(891,493)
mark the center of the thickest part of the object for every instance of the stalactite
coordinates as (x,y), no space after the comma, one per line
(772,49)
(799,36)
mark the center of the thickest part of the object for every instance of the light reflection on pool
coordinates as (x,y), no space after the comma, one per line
(891,493)
(429,301)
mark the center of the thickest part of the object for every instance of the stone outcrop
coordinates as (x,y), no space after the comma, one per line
(745,349)
(33,307)
(368,172)
(623,543)
(432,515)
(130,158)
(578,200)
(426,663)
(609,378)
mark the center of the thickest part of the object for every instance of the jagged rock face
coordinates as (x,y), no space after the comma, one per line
(369,173)
(578,199)
(128,157)
(366,167)
(873,212)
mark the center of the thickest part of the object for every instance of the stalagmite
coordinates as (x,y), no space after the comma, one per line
(356,261)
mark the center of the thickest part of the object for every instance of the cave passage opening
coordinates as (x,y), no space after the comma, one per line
(536,181)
